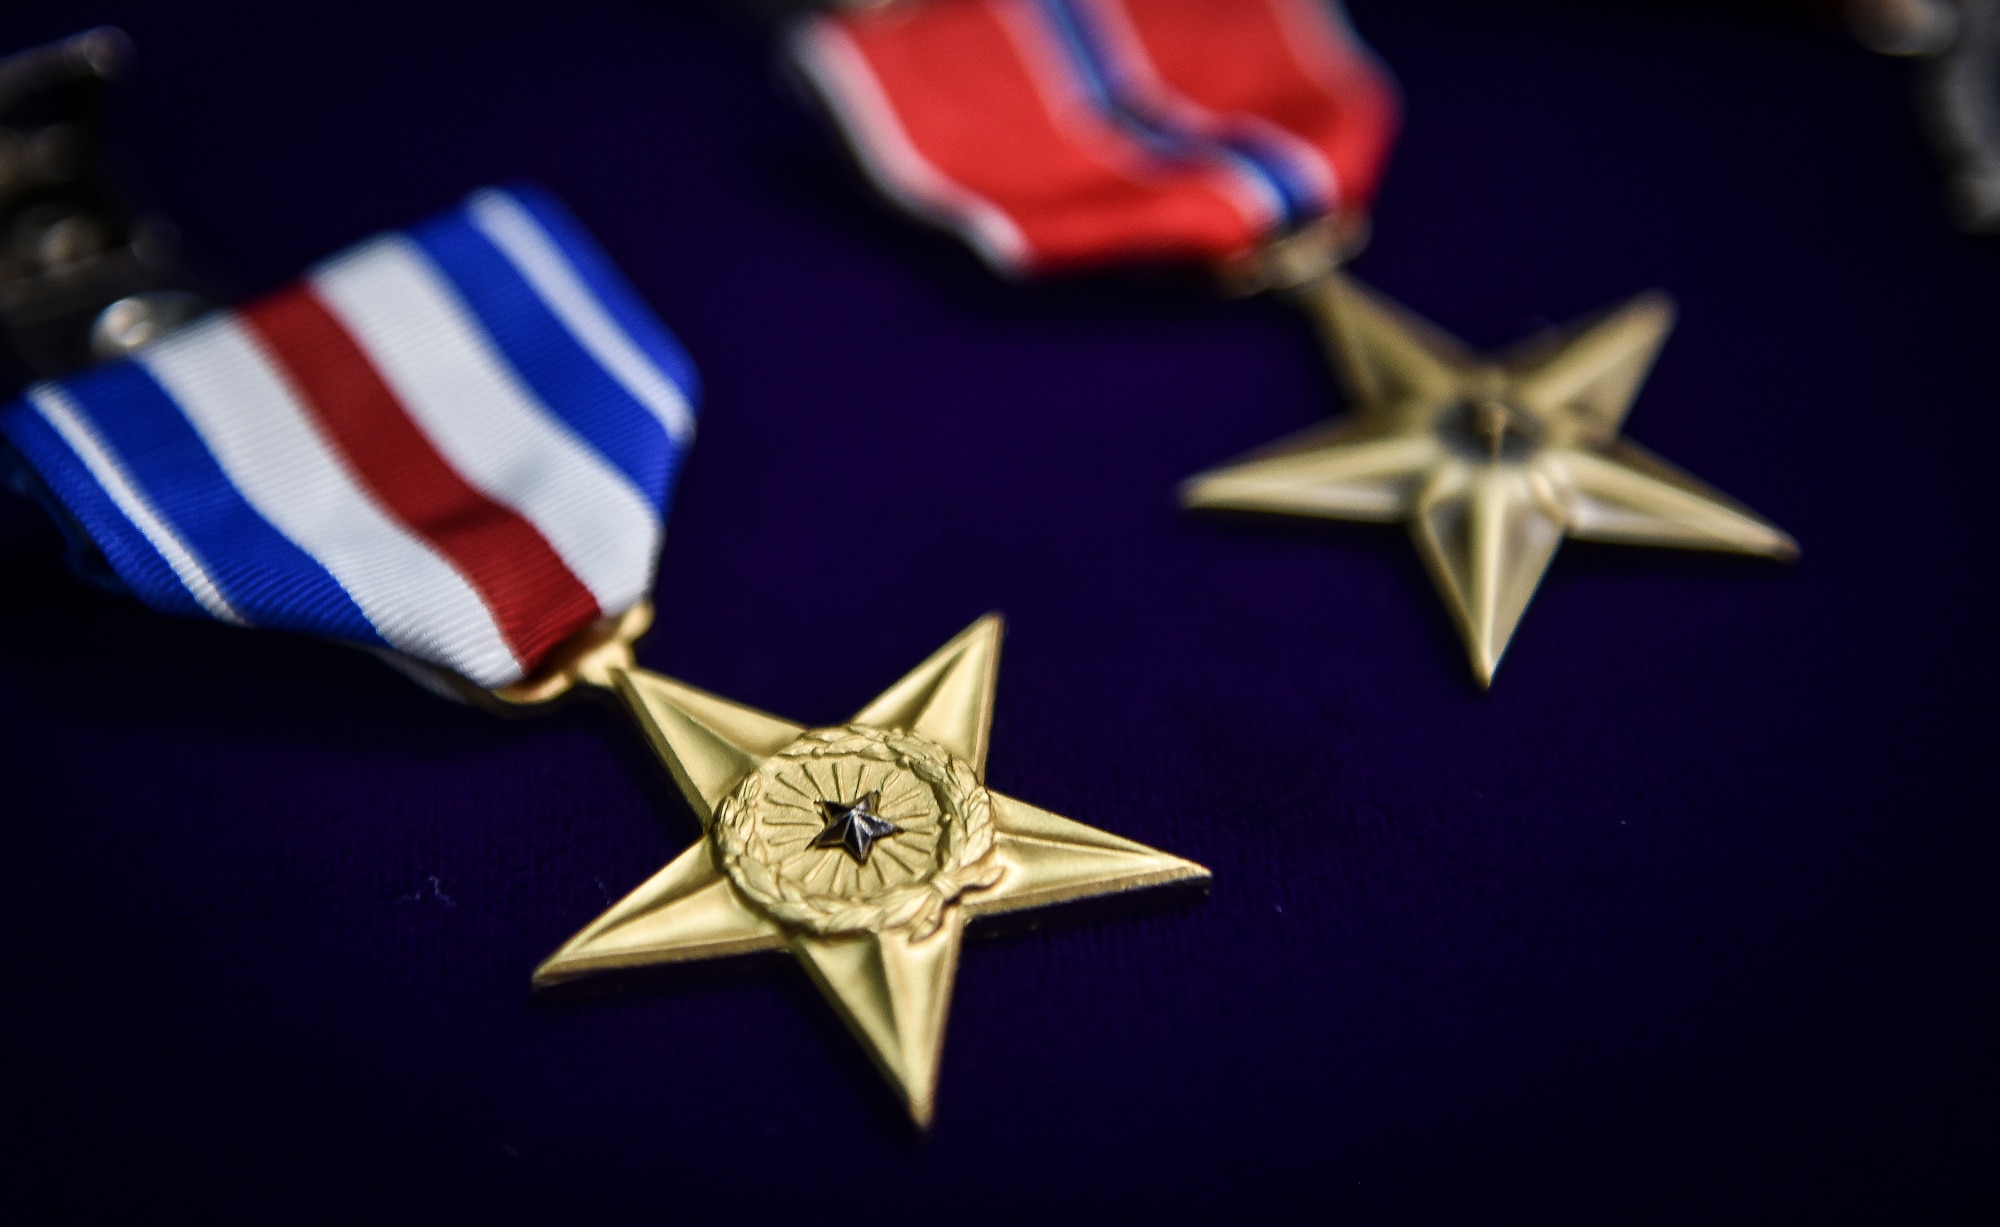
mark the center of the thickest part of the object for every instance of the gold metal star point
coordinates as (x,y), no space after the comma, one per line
(1490,461)
(878,931)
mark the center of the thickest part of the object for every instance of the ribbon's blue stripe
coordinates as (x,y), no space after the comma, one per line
(613,292)
(1095,68)
(1094,72)
(128,551)
(270,581)
(566,378)
(1300,195)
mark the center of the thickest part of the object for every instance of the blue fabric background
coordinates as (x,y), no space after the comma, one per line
(1690,919)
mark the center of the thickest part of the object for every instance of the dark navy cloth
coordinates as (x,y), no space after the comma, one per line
(1690,919)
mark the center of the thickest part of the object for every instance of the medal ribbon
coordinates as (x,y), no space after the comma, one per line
(1055,134)
(455,441)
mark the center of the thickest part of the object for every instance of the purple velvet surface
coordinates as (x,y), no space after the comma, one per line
(1690,918)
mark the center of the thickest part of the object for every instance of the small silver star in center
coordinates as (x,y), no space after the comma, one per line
(855,828)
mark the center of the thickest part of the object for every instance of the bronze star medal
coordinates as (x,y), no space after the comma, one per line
(862,848)
(1491,462)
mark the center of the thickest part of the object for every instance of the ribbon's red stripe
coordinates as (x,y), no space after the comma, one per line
(531,593)
(972,107)
(1286,61)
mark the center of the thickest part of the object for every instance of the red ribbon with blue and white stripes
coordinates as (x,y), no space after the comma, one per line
(1056,134)
(456,441)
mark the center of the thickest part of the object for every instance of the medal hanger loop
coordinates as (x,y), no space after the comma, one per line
(594,656)
(590,659)
(1294,262)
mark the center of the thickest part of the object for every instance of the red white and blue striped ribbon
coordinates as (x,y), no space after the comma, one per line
(455,441)
(1055,134)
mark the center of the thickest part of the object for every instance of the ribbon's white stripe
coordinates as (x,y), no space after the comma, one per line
(1140,71)
(262,434)
(888,155)
(535,256)
(68,420)
(485,422)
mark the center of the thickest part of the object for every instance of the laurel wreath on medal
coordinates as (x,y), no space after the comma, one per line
(965,838)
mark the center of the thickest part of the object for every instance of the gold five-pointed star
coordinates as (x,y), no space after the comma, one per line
(875,912)
(1490,461)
